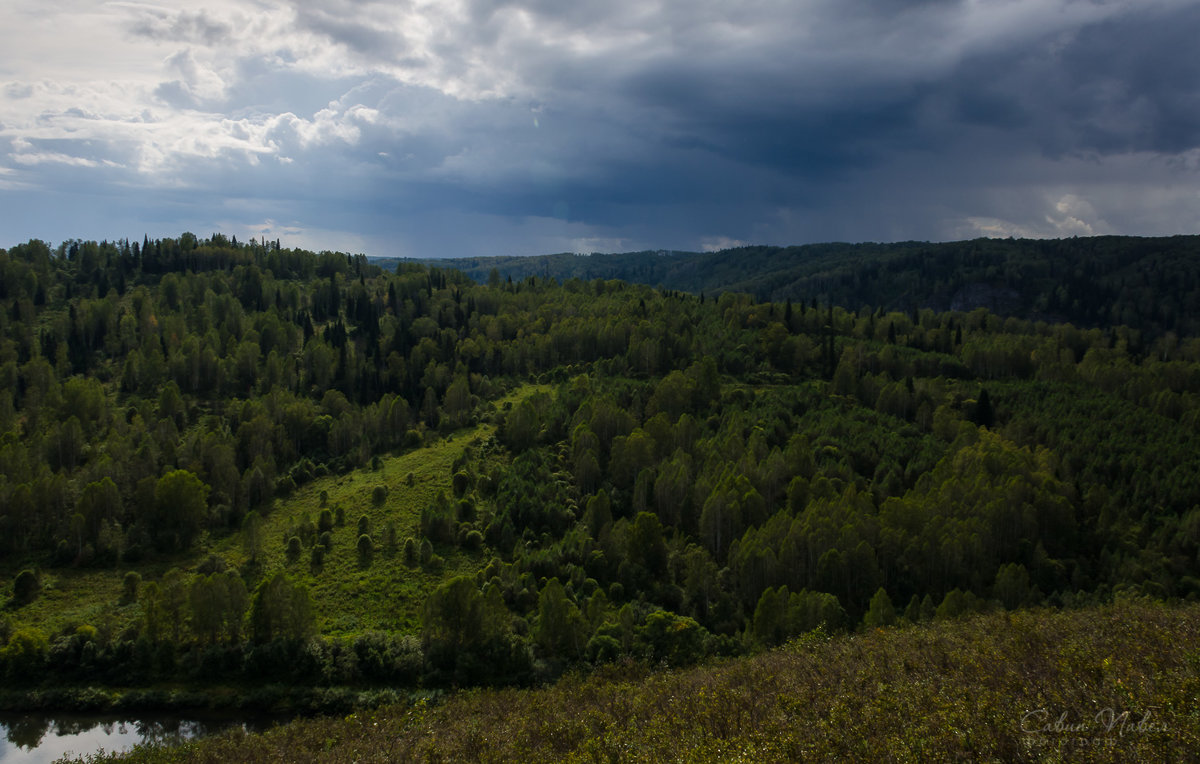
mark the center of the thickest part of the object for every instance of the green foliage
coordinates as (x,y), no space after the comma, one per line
(736,470)
(366,549)
(218,604)
(293,548)
(560,631)
(880,612)
(25,654)
(26,587)
(181,504)
(672,639)
(325,521)
(280,609)
(130,585)
(467,633)
(983,688)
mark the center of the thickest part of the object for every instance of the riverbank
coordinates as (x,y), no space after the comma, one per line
(272,699)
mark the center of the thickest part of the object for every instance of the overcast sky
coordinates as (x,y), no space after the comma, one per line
(452,127)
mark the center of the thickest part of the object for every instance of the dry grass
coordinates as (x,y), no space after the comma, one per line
(1039,685)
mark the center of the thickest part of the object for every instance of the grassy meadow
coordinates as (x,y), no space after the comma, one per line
(350,597)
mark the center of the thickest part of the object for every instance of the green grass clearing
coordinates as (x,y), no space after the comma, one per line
(349,597)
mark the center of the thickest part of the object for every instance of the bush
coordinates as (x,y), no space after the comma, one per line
(317,557)
(366,549)
(472,541)
(214,563)
(461,482)
(389,537)
(379,495)
(25,654)
(364,525)
(293,548)
(129,587)
(325,520)
(410,551)
(26,587)
(339,516)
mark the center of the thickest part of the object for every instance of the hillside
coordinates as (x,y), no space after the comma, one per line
(1147,284)
(1117,683)
(224,465)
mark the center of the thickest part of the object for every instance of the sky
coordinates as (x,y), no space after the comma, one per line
(444,128)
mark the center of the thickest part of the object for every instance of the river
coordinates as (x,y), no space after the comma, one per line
(37,737)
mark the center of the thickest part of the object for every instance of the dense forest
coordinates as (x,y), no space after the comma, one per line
(635,471)
(1148,284)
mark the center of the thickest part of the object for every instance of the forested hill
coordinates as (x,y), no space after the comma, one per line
(223,461)
(1144,283)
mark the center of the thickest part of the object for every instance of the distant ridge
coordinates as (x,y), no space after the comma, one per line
(1148,283)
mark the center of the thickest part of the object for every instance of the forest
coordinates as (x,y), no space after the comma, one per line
(209,449)
(1148,284)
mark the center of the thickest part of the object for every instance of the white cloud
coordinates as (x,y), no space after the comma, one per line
(718,243)
(42,157)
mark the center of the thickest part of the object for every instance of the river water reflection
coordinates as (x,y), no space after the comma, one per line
(36,737)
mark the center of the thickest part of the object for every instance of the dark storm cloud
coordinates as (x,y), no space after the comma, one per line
(536,123)
(1124,84)
(339,23)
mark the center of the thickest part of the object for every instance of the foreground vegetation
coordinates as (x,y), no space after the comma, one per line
(1116,683)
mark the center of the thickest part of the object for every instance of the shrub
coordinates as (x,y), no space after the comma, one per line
(379,495)
(410,551)
(339,516)
(325,520)
(130,584)
(317,556)
(366,548)
(293,548)
(25,653)
(461,482)
(364,525)
(214,563)
(285,485)
(472,541)
(26,586)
